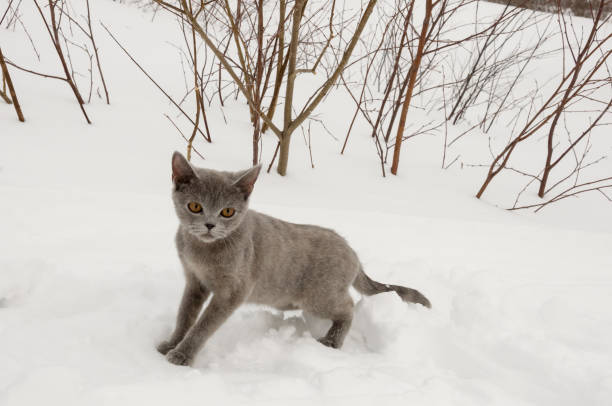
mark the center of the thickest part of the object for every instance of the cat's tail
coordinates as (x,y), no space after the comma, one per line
(367,286)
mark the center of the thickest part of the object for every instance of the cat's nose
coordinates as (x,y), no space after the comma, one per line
(210,226)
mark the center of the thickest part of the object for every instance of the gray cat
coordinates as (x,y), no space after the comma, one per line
(242,256)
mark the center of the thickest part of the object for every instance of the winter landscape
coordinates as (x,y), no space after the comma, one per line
(89,275)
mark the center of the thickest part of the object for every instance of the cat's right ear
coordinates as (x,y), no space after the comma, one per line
(182,173)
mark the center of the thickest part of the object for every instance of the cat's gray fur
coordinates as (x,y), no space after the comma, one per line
(255,258)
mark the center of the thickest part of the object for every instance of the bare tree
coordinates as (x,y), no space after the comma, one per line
(576,85)
(53,29)
(175,103)
(414,68)
(88,32)
(404,59)
(289,75)
(66,33)
(585,79)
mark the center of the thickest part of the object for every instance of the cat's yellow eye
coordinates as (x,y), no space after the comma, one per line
(194,207)
(228,212)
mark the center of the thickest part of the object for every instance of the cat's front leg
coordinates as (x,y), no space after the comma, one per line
(194,296)
(221,306)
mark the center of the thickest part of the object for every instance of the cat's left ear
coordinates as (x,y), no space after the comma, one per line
(246,180)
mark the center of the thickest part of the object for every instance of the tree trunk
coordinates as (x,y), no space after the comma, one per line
(256,136)
(283,157)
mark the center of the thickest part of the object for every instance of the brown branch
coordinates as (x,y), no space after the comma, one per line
(223,60)
(8,7)
(568,90)
(5,97)
(566,193)
(413,74)
(273,157)
(183,135)
(95,47)
(53,31)
(9,82)
(150,78)
(44,75)
(281,63)
(336,74)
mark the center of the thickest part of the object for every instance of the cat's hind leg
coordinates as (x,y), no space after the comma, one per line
(339,309)
(336,334)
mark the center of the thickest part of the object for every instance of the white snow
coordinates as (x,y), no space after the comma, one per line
(90,281)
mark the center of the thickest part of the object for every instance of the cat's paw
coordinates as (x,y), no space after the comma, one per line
(177,358)
(165,346)
(328,342)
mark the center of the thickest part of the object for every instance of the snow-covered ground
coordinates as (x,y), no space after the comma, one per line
(90,281)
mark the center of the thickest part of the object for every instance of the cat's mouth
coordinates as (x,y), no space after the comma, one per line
(207,237)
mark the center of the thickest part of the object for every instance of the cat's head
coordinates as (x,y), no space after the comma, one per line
(210,204)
